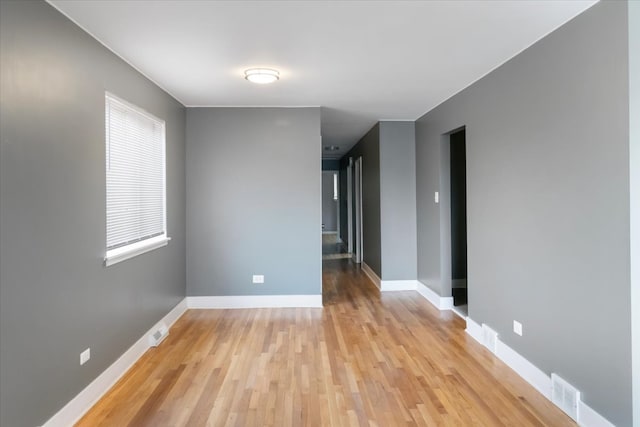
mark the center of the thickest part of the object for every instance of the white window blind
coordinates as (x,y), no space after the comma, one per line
(135,143)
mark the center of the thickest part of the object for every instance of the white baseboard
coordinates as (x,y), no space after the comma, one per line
(458,313)
(441,303)
(330,232)
(255,301)
(527,370)
(587,417)
(539,380)
(79,405)
(474,330)
(371,274)
(398,285)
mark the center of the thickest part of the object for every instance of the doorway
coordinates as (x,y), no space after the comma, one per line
(330,202)
(458,217)
(332,247)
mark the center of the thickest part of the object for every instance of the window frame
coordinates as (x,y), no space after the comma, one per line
(122,253)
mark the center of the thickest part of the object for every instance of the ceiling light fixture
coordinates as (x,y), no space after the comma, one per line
(331,148)
(261,76)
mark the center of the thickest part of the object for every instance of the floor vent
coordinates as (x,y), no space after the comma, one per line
(565,396)
(489,338)
(158,336)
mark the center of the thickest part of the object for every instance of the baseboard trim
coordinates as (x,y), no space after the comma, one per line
(458,313)
(255,301)
(473,329)
(398,285)
(441,303)
(79,405)
(587,417)
(537,378)
(527,370)
(371,274)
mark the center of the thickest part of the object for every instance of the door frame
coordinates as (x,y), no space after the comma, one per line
(336,202)
(359,240)
(446,276)
(337,184)
(350,206)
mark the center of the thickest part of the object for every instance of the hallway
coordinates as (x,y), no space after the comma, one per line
(364,359)
(333,248)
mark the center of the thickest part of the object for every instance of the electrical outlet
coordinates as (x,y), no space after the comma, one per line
(85,356)
(436,197)
(258,278)
(517,327)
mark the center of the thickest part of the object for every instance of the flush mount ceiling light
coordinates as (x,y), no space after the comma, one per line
(261,76)
(331,148)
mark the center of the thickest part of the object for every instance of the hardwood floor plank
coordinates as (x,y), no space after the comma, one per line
(365,359)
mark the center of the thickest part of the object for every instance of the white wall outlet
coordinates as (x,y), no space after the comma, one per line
(517,327)
(258,278)
(85,356)
(489,338)
(436,197)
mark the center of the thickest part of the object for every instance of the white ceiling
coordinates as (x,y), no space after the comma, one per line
(362,61)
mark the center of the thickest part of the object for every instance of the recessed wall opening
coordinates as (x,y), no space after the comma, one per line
(458,182)
(453,217)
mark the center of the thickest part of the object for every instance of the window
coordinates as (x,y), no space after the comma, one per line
(335,186)
(135,170)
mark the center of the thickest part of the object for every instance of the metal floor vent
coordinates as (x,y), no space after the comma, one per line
(489,338)
(565,396)
(158,336)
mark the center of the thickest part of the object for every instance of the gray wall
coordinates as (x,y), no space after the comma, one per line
(56,298)
(634,139)
(369,148)
(548,203)
(329,206)
(330,165)
(253,201)
(398,200)
(389,202)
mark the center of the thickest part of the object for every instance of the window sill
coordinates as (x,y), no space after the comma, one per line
(115,256)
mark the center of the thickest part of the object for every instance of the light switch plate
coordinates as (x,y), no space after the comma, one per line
(517,327)
(85,356)
(436,197)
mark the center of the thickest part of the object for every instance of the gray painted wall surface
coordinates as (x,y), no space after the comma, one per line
(253,201)
(548,203)
(369,148)
(634,140)
(329,206)
(398,200)
(330,165)
(56,298)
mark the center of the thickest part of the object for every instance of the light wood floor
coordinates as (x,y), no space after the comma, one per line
(363,360)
